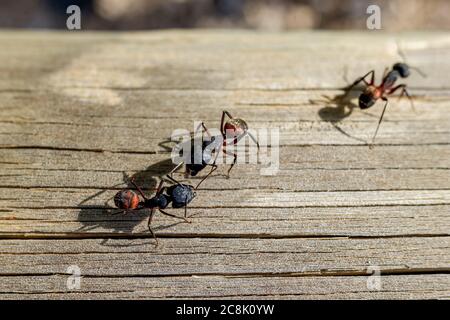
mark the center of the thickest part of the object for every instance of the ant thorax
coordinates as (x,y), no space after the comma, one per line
(159,201)
(373,91)
(390,79)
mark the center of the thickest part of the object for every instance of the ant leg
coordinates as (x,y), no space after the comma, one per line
(198,127)
(363,78)
(178,166)
(404,92)
(231,167)
(205,129)
(385,72)
(185,207)
(173,180)
(234,161)
(254,139)
(122,211)
(152,212)
(224,113)
(138,188)
(237,139)
(160,188)
(372,77)
(174,216)
(379,121)
(213,168)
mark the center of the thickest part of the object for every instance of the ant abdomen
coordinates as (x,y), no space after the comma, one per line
(402,69)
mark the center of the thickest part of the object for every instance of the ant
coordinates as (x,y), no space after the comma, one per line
(235,127)
(373,92)
(180,195)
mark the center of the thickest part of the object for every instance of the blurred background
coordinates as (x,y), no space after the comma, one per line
(273,15)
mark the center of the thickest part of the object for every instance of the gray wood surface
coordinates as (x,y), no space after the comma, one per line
(81,111)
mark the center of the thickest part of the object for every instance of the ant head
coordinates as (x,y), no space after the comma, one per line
(126,199)
(402,69)
(236,127)
(366,100)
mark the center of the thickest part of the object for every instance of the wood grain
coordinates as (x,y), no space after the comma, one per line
(219,287)
(82,112)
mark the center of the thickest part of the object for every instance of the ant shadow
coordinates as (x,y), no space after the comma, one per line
(108,217)
(339,107)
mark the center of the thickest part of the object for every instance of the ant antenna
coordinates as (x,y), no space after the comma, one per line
(172,180)
(253,138)
(400,51)
(423,74)
(345,76)
(131,180)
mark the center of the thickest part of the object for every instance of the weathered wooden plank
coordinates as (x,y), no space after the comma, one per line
(304,180)
(127,140)
(170,106)
(191,256)
(143,130)
(67,198)
(209,60)
(76,112)
(291,157)
(162,107)
(241,222)
(218,287)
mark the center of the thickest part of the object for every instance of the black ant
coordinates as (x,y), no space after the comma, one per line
(180,195)
(234,127)
(372,92)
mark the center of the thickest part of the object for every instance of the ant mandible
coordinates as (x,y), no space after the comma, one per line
(180,195)
(234,127)
(387,87)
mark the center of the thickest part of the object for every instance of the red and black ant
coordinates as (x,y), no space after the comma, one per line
(180,195)
(373,92)
(234,128)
